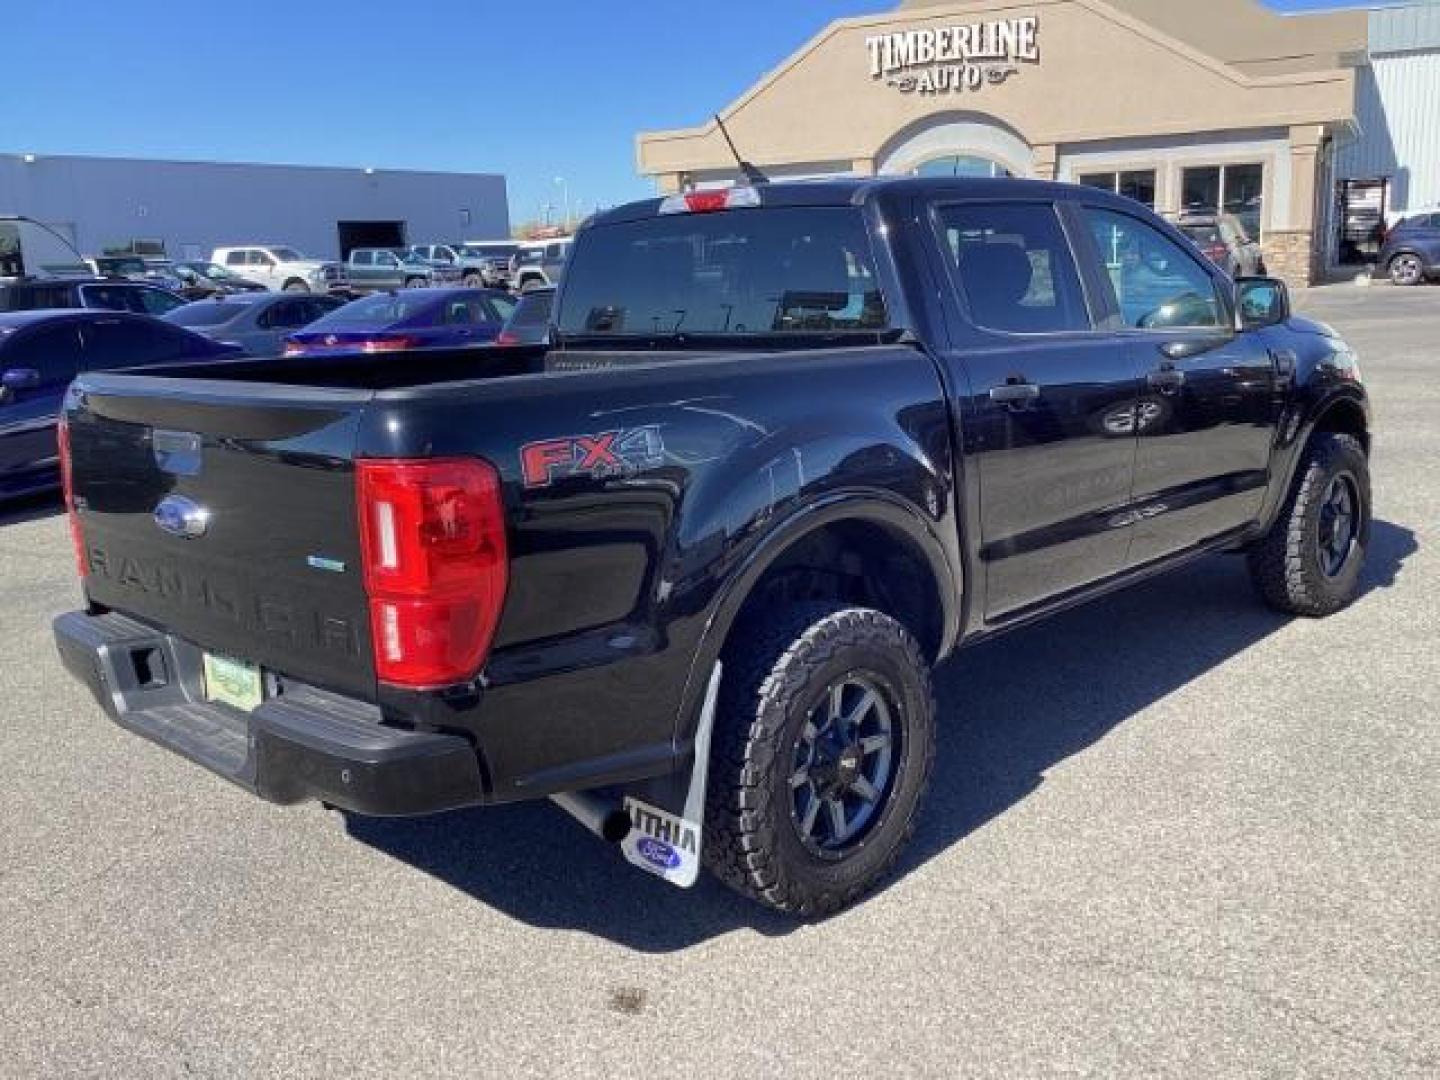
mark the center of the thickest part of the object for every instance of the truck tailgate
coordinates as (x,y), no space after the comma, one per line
(225,513)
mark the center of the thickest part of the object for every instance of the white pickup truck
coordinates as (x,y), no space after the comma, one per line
(280,268)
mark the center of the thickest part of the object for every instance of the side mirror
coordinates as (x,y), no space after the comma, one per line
(1261,302)
(16,379)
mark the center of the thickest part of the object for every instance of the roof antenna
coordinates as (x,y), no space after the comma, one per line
(752,174)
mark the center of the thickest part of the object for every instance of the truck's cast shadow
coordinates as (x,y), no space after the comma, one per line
(25,508)
(1010,710)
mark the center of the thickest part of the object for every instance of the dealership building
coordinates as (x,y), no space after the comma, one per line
(1307,128)
(185,209)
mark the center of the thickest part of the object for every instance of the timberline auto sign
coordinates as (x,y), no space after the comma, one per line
(954,59)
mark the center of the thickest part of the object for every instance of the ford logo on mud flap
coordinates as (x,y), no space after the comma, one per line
(658,852)
(180,516)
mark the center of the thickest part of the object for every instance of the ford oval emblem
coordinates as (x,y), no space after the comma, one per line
(180,516)
(658,852)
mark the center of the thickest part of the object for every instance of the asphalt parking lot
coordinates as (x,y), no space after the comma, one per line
(1171,834)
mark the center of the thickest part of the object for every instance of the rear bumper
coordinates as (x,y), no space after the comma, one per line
(303,744)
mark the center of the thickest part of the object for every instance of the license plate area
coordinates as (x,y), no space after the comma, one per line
(233,682)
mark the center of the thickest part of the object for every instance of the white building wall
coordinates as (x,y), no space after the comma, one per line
(1398,113)
(196,206)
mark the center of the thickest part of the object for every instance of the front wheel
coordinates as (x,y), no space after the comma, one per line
(1407,269)
(472,281)
(823,746)
(1309,562)
(415,283)
(296,285)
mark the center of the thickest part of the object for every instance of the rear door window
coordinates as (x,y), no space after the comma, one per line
(112,297)
(158,302)
(1015,267)
(53,351)
(116,343)
(785,270)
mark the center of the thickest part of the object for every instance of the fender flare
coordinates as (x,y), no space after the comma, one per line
(873,506)
(1296,432)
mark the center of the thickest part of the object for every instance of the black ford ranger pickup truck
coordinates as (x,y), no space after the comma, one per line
(685,569)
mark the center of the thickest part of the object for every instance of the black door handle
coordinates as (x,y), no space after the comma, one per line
(1014,393)
(1166,379)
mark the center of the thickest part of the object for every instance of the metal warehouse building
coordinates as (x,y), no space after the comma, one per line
(184,209)
(1307,128)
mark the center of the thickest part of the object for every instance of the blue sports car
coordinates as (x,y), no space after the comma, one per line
(406,319)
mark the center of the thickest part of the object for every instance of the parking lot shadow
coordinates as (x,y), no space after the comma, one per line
(30,508)
(1010,709)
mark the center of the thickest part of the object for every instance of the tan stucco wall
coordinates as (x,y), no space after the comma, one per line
(1244,33)
(1103,73)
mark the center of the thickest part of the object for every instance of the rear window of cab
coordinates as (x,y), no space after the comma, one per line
(768,271)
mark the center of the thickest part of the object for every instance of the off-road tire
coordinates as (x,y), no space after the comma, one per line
(777,671)
(1285,564)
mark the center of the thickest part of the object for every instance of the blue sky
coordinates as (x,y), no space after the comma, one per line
(533,90)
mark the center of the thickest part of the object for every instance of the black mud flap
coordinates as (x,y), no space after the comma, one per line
(667,814)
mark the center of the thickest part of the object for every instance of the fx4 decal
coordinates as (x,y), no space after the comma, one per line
(610,453)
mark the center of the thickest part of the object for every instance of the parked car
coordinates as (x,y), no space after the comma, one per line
(256,322)
(280,268)
(529,323)
(687,570)
(1223,240)
(107,294)
(135,268)
(494,256)
(406,319)
(375,269)
(204,278)
(539,264)
(1411,252)
(469,270)
(41,351)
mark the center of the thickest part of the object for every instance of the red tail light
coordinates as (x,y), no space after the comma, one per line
(67,484)
(390,344)
(432,537)
(711,200)
(506,337)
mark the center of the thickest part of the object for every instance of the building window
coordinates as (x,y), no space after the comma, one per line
(961,165)
(1239,190)
(1137,184)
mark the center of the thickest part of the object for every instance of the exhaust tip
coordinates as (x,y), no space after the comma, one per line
(615,827)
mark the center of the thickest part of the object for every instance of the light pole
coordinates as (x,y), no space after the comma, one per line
(565,191)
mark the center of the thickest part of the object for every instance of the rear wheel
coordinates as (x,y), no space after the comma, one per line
(472,280)
(1309,562)
(415,283)
(822,749)
(296,285)
(1407,269)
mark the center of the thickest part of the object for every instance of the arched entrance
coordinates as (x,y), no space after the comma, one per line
(957,145)
(960,165)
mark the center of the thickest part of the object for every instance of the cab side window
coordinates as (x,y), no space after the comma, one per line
(53,351)
(1156,283)
(1015,267)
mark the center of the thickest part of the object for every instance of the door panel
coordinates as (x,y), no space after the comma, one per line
(27,420)
(1206,412)
(1203,461)
(1049,419)
(1055,472)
